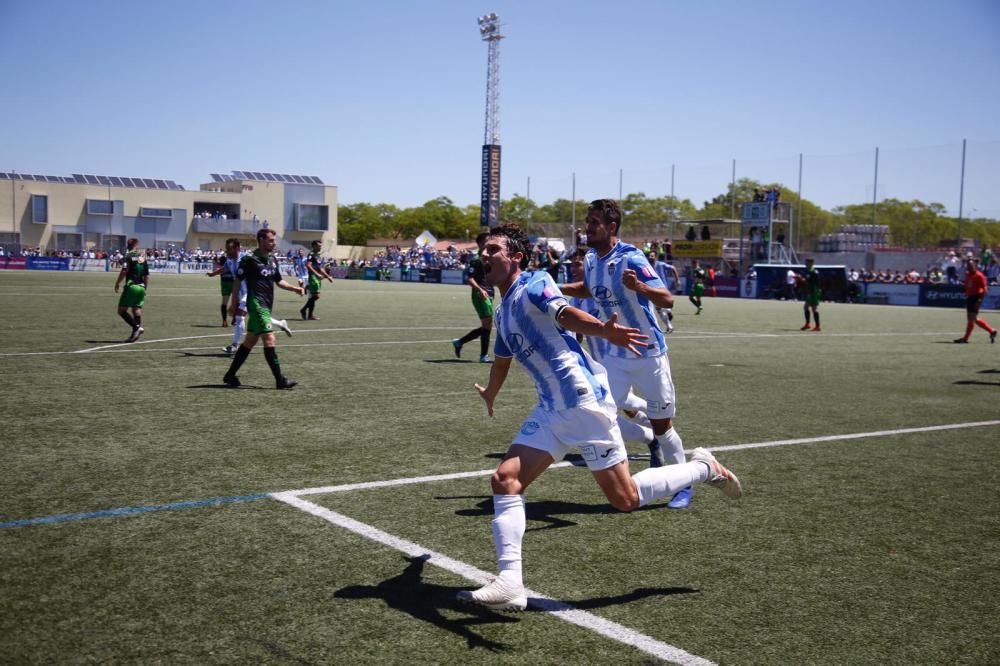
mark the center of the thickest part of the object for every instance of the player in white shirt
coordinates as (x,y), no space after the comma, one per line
(638,428)
(620,279)
(232,264)
(534,323)
(670,278)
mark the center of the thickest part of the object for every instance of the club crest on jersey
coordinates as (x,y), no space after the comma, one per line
(530,427)
(611,266)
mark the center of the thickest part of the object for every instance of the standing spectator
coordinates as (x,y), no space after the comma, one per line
(691,234)
(975,290)
(706,233)
(791,278)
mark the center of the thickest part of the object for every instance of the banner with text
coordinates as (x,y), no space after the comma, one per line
(706,248)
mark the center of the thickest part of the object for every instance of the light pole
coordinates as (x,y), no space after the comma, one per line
(489,210)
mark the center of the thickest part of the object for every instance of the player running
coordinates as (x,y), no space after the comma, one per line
(226,279)
(314,266)
(698,288)
(975,291)
(534,323)
(259,270)
(299,266)
(670,279)
(135,272)
(623,284)
(238,297)
(482,303)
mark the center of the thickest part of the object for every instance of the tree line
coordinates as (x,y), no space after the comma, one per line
(911,223)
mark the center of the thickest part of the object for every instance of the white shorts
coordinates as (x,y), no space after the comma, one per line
(592,429)
(649,376)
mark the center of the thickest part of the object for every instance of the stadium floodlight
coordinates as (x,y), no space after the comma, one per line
(489,31)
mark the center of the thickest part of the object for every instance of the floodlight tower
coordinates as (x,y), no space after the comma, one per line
(489,215)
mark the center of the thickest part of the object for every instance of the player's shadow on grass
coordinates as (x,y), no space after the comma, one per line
(408,593)
(546,512)
(223,386)
(448,360)
(974,382)
(206,326)
(208,355)
(105,342)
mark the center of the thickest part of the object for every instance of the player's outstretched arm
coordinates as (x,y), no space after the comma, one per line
(578,321)
(217,271)
(498,375)
(287,287)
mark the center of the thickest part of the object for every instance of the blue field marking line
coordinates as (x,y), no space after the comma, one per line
(132,510)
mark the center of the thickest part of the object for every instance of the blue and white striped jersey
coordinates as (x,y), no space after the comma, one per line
(597,345)
(603,277)
(234,266)
(666,273)
(299,266)
(564,375)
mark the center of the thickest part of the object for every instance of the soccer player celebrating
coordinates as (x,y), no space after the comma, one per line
(975,290)
(573,412)
(620,279)
(813,293)
(259,270)
(135,272)
(226,279)
(482,302)
(314,264)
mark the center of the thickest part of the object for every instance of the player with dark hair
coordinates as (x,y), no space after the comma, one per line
(482,303)
(813,293)
(135,272)
(226,279)
(574,411)
(623,284)
(975,291)
(314,264)
(698,277)
(259,270)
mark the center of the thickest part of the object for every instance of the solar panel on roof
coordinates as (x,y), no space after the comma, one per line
(160,185)
(287,178)
(4,176)
(68,179)
(257,175)
(103,180)
(115,180)
(238,175)
(227,179)
(149,183)
(216,177)
(270,177)
(172,185)
(91,180)
(299,179)
(53,179)
(318,180)
(137,182)
(78,178)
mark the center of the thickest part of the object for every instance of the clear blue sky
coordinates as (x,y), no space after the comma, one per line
(386,99)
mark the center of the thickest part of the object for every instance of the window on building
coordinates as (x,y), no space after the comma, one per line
(69,242)
(156,212)
(100,207)
(39,208)
(311,218)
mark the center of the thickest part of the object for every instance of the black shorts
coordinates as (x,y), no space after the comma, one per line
(972,304)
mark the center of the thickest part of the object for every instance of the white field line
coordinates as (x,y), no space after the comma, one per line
(135,346)
(559,609)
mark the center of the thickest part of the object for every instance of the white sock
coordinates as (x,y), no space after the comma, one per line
(238,328)
(508,532)
(633,403)
(633,432)
(656,482)
(672,447)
